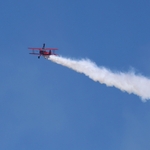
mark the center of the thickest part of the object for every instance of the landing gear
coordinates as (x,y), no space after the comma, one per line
(38,57)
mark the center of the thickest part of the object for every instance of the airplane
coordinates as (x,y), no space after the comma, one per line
(43,51)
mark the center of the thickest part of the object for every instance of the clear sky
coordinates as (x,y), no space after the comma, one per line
(47,106)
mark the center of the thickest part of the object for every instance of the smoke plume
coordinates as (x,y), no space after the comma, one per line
(129,82)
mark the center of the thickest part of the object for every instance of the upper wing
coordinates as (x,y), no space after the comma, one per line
(40,49)
(50,48)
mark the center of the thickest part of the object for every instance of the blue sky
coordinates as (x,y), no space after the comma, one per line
(47,106)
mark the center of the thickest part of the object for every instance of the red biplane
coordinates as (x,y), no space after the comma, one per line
(43,51)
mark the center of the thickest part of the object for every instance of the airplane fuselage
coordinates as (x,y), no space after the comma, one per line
(42,52)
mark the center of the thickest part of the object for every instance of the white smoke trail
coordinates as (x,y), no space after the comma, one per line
(129,82)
